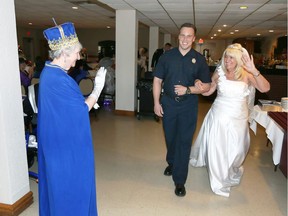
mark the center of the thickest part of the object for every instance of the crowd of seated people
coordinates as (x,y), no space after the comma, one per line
(28,71)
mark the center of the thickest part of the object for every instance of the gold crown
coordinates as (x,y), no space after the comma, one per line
(63,42)
(61,36)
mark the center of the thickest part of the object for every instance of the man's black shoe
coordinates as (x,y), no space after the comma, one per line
(180,190)
(168,171)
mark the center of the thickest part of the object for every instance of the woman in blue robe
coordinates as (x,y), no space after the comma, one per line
(65,151)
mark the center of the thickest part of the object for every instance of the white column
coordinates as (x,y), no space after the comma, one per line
(126,60)
(14,181)
(153,42)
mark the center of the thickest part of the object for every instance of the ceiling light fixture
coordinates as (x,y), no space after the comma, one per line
(224,25)
(271,30)
(75,8)
(219,30)
(243,7)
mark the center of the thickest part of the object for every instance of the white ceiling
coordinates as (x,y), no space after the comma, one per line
(208,15)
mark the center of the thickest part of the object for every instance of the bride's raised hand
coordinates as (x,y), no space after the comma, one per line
(248,64)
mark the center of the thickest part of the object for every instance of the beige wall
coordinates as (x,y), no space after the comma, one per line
(90,38)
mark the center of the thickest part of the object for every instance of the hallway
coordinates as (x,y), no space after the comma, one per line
(130,160)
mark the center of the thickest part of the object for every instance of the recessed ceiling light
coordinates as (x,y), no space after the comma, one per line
(236,30)
(219,30)
(271,30)
(224,25)
(75,8)
(211,37)
(231,32)
(30,23)
(258,34)
(108,26)
(243,7)
(215,35)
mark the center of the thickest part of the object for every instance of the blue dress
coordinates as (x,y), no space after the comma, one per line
(65,150)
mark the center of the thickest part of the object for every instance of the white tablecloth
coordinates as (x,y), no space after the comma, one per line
(274,132)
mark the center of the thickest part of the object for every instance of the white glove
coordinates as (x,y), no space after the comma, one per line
(99,83)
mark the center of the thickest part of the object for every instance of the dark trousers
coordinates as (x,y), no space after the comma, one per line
(179,123)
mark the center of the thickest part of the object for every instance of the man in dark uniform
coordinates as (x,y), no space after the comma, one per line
(158,53)
(178,70)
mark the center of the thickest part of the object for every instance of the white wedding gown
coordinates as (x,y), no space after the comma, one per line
(223,140)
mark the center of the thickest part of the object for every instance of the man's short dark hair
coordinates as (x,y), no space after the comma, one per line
(189,25)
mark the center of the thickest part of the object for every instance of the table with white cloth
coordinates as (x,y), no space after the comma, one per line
(274,132)
(281,119)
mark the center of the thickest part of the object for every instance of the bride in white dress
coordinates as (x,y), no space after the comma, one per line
(223,140)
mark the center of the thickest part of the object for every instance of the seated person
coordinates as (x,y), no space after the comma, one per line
(30,107)
(39,65)
(25,76)
(78,72)
(84,58)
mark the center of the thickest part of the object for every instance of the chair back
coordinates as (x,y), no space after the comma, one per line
(34,81)
(33,96)
(86,86)
(23,90)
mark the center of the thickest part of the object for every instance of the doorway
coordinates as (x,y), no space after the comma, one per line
(28,48)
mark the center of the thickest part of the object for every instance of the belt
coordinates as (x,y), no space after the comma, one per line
(177,98)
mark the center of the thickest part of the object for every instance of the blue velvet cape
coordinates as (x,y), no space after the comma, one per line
(65,149)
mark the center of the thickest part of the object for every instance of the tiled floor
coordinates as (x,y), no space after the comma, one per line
(130,159)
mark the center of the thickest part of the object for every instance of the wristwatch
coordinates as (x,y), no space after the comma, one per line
(188,91)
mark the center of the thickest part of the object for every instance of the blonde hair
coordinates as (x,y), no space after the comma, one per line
(235,51)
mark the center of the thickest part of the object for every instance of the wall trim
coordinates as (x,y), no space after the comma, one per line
(125,113)
(18,207)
